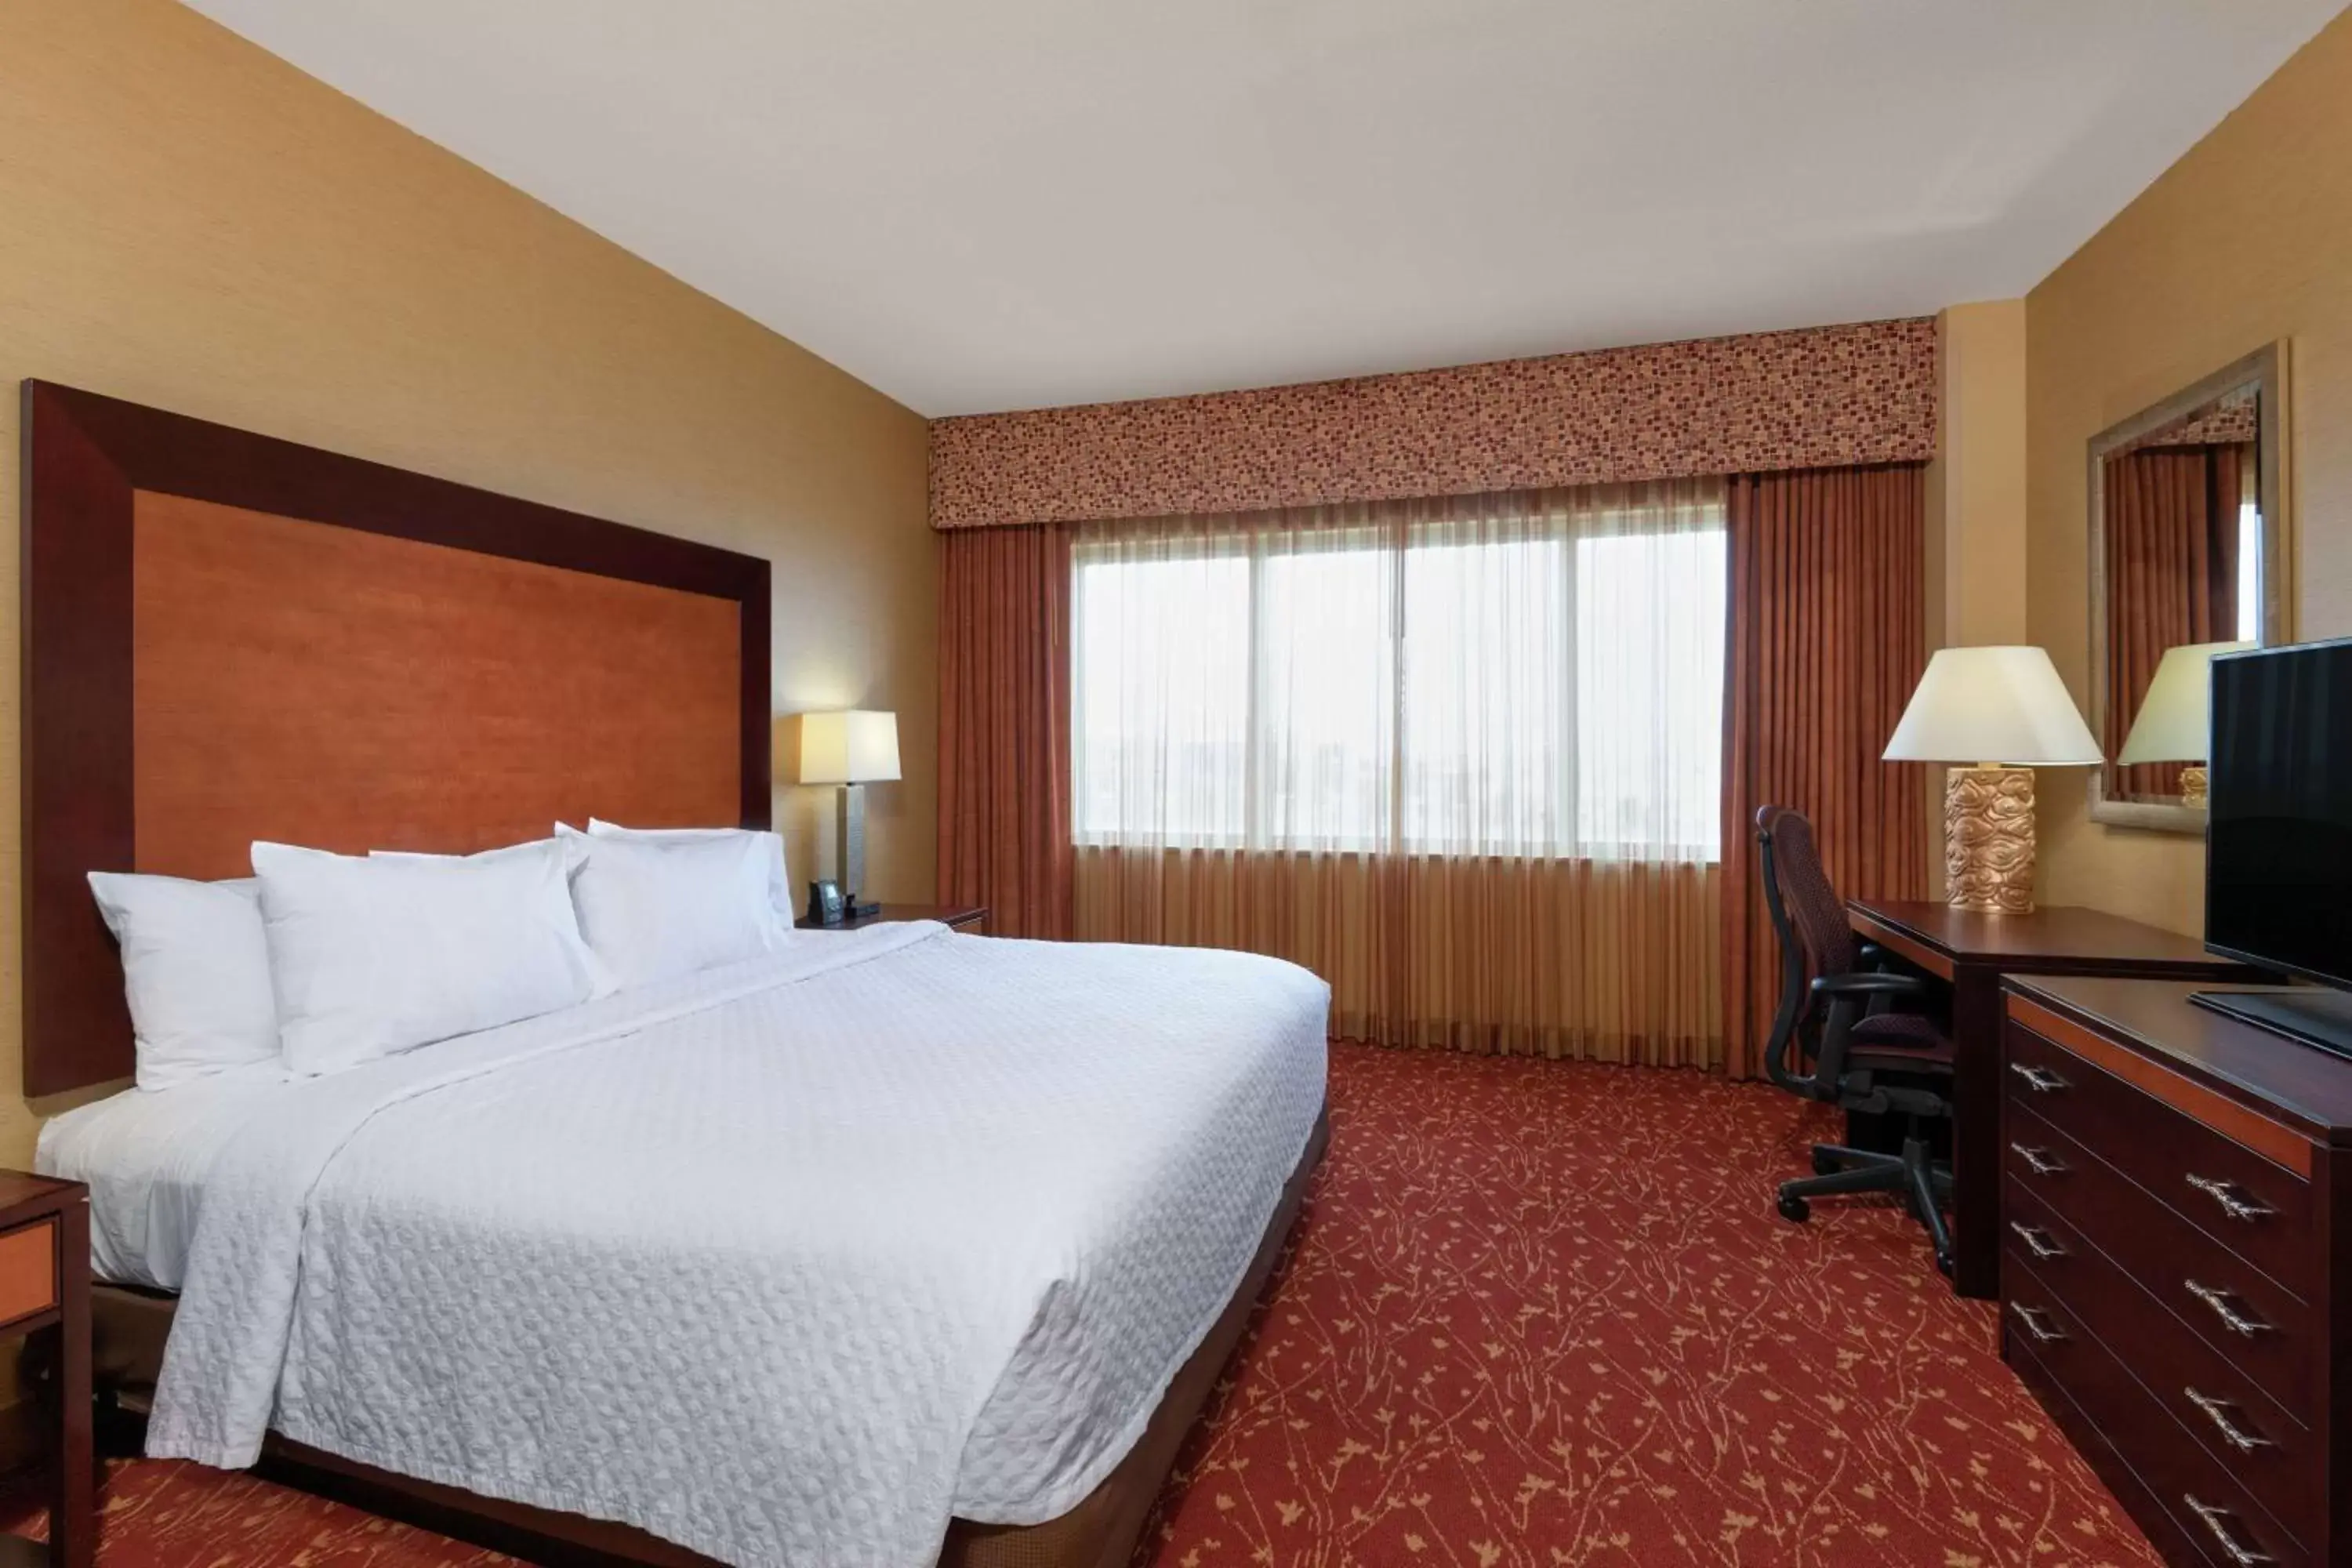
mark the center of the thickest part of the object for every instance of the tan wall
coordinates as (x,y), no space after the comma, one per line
(186,221)
(1981,471)
(2246,239)
(1976,499)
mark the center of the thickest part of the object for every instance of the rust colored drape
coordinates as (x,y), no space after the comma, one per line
(1005,726)
(2171,531)
(1827,639)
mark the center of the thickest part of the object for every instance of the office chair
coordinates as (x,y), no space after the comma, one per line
(1835,1014)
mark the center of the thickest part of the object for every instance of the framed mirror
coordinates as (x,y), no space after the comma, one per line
(2190,555)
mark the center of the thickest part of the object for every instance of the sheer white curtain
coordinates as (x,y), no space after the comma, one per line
(1460,757)
(1534,675)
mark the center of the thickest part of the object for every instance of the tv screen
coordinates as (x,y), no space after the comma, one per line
(2278,850)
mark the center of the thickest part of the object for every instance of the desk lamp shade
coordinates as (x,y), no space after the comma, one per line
(2174,720)
(2004,710)
(853,748)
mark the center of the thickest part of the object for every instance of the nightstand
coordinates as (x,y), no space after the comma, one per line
(45,1297)
(968,918)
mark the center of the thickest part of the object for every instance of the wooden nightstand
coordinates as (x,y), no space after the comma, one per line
(969,918)
(45,1296)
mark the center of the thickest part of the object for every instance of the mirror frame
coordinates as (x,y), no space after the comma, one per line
(2266,370)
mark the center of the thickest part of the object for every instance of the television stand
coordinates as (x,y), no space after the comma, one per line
(2307,1014)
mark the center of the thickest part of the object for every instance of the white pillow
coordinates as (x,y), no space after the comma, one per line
(651,910)
(563,849)
(195,968)
(772,848)
(374,956)
(557,846)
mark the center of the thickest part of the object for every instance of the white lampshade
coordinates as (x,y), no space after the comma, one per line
(855,746)
(2174,720)
(1993,705)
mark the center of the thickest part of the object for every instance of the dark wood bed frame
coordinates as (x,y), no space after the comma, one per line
(106,483)
(87,460)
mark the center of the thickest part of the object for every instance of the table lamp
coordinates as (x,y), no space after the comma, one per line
(2174,720)
(2005,711)
(852,748)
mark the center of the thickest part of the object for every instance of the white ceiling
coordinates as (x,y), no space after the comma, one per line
(982,205)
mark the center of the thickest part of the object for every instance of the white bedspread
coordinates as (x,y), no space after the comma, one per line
(144,1156)
(788,1262)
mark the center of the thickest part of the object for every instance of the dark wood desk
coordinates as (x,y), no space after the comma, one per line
(1972,952)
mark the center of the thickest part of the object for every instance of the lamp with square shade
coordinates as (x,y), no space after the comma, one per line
(2001,713)
(852,748)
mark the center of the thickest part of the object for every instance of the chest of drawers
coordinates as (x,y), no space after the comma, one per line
(2176,1263)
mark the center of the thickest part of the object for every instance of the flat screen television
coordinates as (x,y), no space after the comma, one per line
(2278,834)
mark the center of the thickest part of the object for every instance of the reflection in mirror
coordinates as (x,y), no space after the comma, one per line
(2180,569)
(2172,729)
(2184,530)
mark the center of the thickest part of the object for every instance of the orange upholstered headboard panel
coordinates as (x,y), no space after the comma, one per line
(357,691)
(229,637)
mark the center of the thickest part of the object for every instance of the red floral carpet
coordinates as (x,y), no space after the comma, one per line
(1535,1314)
(1543,1314)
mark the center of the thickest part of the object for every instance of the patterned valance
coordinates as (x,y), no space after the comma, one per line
(2233,419)
(1823,397)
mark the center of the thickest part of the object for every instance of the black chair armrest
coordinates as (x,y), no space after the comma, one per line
(1869,986)
(1873,956)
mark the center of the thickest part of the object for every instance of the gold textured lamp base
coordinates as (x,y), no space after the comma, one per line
(2192,786)
(1989,839)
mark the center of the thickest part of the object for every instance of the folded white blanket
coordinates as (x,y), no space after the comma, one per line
(789,1262)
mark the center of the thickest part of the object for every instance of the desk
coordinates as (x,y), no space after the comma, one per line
(1971,953)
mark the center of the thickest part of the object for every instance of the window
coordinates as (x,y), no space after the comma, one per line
(1431,681)
(2250,574)
(1159,716)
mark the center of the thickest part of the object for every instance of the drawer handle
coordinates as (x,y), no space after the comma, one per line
(2226,1195)
(2217,1411)
(2038,1161)
(2037,1240)
(2216,1521)
(2234,1321)
(2032,1318)
(2041,1080)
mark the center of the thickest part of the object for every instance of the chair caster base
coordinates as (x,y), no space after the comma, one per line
(1824,1162)
(1797,1209)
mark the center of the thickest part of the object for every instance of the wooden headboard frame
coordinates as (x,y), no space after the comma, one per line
(87,459)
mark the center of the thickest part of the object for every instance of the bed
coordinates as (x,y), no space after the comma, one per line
(896,1245)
